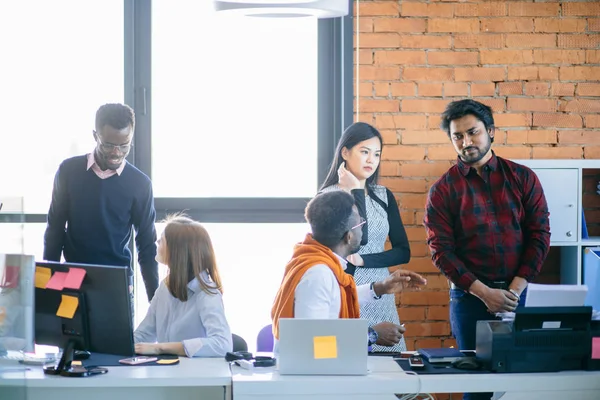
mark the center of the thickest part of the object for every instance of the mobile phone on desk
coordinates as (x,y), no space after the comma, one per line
(416,362)
(137,360)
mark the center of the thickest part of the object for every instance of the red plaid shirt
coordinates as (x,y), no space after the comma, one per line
(491,227)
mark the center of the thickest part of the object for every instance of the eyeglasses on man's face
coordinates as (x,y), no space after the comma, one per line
(109,147)
(362,222)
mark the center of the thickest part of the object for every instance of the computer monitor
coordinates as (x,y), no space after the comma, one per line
(102,322)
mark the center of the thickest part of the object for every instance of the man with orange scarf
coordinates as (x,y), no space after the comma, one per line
(315,284)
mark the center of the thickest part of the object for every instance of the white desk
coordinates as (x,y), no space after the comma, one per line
(191,379)
(386,378)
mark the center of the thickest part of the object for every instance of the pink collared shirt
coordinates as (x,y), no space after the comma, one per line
(91,163)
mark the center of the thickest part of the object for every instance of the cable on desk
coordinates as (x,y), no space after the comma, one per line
(417,395)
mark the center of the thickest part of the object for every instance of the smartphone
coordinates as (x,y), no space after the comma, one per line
(137,360)
(416,362)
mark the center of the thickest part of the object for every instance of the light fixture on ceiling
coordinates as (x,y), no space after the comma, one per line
(285,8)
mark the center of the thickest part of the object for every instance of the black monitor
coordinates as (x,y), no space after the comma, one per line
(102,322)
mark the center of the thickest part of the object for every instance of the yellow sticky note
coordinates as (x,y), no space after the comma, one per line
(75,362)
(42,276)
(168,361)
(325,346)
(68,306)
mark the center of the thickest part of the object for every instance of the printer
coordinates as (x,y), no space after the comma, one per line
(540,339)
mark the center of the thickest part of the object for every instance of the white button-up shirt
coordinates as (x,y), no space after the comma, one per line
(199,323)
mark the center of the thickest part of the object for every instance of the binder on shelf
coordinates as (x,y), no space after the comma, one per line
(584,230)
(591,276)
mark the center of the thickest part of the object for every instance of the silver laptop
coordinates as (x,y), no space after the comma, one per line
(323,346)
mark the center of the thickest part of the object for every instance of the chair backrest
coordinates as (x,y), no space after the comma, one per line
(264,340)
(239,344)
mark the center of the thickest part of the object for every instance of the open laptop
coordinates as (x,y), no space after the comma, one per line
(323,346)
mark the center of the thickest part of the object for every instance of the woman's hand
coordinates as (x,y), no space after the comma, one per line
(147,349)
(356,260)
(346,180)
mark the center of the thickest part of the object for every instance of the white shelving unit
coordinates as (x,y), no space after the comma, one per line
(562,181)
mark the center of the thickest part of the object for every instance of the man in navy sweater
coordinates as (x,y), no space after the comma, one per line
(99,197)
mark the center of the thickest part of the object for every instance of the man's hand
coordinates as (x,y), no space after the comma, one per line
(498,300)
(389,334)
(346,180)
(356,260)
(147,349)
(399,280)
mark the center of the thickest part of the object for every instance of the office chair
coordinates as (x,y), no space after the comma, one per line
(264,340)
(239,344)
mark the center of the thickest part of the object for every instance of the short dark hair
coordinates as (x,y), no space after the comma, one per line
(328,215)
(460,108)
(116,115)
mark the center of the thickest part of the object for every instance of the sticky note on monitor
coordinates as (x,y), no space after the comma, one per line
(68,306)
(74,278)
(42,276)
(325,347)
(57,282)
(596,348)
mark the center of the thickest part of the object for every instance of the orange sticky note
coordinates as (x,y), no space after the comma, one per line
(2,315)
(168,361)
(76,362)
(42,276)
(325,347)
(74,278)
(595,348)
(68,306)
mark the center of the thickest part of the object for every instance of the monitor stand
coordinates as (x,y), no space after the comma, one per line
(65,367)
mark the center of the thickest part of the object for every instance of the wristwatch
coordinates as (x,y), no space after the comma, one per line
(373,292)
(373,336)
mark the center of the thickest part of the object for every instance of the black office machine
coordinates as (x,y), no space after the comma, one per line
(540,339)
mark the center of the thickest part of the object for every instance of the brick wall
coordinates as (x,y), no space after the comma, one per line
(537,64)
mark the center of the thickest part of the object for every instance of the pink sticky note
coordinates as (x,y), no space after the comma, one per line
(74,278)
(10,277)
(57,282)
(596,348)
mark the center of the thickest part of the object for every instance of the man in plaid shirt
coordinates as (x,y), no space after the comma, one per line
(487,224)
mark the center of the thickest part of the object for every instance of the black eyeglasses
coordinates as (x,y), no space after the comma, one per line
(108,147)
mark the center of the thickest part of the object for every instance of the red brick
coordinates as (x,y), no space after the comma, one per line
(412,314)
(579,41)
(407,121)
(506,57)
(412,201)
(429,343)
(369,73)
(583,106)
(428,328)
(400,89)
(579,137)
(408,218)
(497,104)
(439,313)
(521,9)
(531,137)
(365,89)
(592,153)
(523,73)
(430,89)
(419,220)
(523,104)
(562,89)
(418,249)
(400,57)
(381,89)
(389,136)
(451,342)
(548,56)
(452,58)
(389,168)
(437,282)
(400,152)
(593,24)
(439,25)
(473,74)
(424,137)
(531,40)
(423,106)
(365,57)
(592,121)
(548,73)
(537,88)
(363,117)
(425,298)
(446,152)
(557,120)
(426,169)
(500,137)
(368,105)
(456,89)
(561,152)
(513,152)
(378,8)
(507,25)
(508,88)
(560,25)
(434,121)
(483,89)
(408,25)
(581,9)
(410,9)
(425,41)
(364,25)
(492,9)
(427,74)
(379,40)
(592,56)
(513,119)
(399,185)
(579,73)
(478,41)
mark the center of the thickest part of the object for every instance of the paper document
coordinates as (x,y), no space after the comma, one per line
(555,295)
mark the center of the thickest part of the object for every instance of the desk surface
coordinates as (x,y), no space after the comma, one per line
(387,377)
(189,372)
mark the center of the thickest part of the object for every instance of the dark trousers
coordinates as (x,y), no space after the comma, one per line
(465,311)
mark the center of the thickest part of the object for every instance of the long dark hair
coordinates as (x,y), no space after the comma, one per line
(353,135)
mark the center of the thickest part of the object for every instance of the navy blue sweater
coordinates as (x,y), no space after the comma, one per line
(99,214)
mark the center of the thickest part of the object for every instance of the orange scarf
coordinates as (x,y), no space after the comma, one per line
(306,255)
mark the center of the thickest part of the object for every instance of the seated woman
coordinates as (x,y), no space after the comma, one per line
(186,315)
